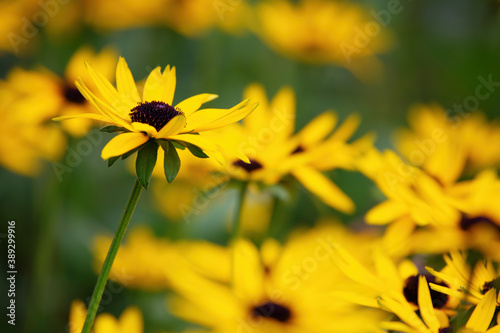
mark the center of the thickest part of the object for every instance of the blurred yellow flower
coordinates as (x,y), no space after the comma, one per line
(444,147)
(148,262)
(277,289)
(130,320)
(323,32)
(267,138)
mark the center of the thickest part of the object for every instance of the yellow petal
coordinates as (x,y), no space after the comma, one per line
(94,116)
(173,127)
(324,188)
(77,316)
(160,87)
(206,145)
(347,128)
(386,212)
(126,84)
(106,323)
(122,144)
(318,128)
(192,104)
(141,127)
(480,319)
(207,119)
(283,106)
(131,321)
(247,271)
(425,304)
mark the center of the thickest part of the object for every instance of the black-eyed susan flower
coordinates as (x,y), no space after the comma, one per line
(281,288)
(267,137)
(447,147)
(129,321)
(151,120)
(467,283)
(319,31)
(142,259)
(431,320)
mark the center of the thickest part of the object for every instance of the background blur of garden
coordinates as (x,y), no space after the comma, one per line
(433,51)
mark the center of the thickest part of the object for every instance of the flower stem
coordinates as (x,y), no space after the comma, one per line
(108,262)
(239,210)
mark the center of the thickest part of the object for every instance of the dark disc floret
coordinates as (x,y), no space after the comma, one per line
(273,311)
(249,167)
(156,114)
(73,95)
(468,222)
(410,291)
(487,286)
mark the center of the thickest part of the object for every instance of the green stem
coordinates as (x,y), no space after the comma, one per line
(108,262)
(238,211)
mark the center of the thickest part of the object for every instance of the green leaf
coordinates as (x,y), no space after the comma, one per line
(172,163)
(113,128)
(195,150)
(112,160)
(178,145)
(145,162)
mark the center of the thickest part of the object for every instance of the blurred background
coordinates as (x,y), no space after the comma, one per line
(422,52)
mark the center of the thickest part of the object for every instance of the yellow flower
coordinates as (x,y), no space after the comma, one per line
(151,120)
(276,289)
(444,147)
(320,31)
(129,321)
(410,192)
(465,283)
(147,262)
(267,138)
(16,26)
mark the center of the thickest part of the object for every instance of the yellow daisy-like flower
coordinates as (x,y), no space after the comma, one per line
(446,147)
(130,321)
(277,289)
(275,152)
(145,122)
(466,283)
(319,31)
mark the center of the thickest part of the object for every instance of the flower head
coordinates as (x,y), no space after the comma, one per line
(151,120)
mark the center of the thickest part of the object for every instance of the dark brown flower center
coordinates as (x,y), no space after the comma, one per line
(410,291)
(467,222)
(273,311)
(249,167)
(73,95)
(156,114)
(487,286)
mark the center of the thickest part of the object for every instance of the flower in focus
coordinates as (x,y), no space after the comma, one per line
(277,289)
(129,321)
(323,32)
(152,120)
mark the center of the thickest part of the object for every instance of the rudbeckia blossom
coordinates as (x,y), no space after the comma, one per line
(277,288)
(130,320)
(322,32)
(446,146)
(146,121)
(267,137)
(467,283)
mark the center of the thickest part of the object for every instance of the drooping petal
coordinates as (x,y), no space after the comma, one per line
(93,116)
(173,127)
(141,127)
(122,144)
(192,104)
(324,188)
(386,212)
